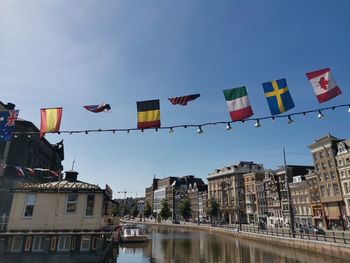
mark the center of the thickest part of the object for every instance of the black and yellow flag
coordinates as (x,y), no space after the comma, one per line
(148,114)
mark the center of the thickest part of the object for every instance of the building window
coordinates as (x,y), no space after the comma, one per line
(326,176)
(320,177)
(328,189)
(29,205)
(336,189)
(71,204)
(340,162)
(342,174)
(90,201)
(345,187)
(322,191)
(16,244)
(330,164)
(85,243)
(321,155)
(53,243)
(329,153)
(315,156)
(38,243)
(28,244)
(332,173)
(64,243)
(94,243)
(74,241)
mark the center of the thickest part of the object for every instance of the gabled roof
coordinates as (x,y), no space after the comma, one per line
(59,186)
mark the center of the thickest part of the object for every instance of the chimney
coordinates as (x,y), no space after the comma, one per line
(71,176)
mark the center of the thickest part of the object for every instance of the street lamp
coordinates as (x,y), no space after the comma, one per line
(291,210)
(238,199)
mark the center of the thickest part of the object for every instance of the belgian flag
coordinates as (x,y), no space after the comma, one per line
(148,114)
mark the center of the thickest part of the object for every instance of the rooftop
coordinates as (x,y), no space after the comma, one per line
(62,186)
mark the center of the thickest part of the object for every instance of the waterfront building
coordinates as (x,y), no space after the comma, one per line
(343,161)
(67,215)
(300,195)
(317,213)
(226,186)
(196,195)
(261,201)
(273,199)
(324,151)
(277,193)
(25,150)
(68,204)
(251,199)
(174,189)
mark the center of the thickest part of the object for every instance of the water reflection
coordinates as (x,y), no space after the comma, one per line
(168,245)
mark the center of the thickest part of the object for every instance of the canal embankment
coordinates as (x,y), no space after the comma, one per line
(302,242)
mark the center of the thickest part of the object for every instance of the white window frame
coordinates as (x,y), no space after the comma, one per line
(41,240)
(66,243)
(14,249)
(29,203)
(71,202)
(83,239)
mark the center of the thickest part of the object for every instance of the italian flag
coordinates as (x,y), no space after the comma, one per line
(324,84)
(238,103)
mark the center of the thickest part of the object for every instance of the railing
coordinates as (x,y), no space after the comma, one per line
(331,237)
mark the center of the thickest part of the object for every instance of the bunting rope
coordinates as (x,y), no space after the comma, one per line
(199,125)
(20,170)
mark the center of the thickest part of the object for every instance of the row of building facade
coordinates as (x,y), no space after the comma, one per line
(246,192)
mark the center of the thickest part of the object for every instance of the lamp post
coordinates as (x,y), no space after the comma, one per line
(238,199)
(291,210)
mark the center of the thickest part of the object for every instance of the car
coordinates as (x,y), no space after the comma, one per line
(314,230)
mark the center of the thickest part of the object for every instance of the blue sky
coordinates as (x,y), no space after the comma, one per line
(75,53)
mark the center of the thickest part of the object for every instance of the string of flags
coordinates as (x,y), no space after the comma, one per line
(21,171)
(276,92)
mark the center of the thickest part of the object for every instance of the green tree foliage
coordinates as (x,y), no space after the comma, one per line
(213,210)
(185,208)
(165,213)
(135,211)
(148,210)
(116,210)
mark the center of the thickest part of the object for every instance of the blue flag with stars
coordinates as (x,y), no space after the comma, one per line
(7,124)
(278,96)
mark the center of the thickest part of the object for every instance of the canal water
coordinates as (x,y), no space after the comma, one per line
(174,245)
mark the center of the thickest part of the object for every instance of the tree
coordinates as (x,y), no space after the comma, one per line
(213,210)
(148,210)
(116,210)
(165,213)
(185,208)
(135,211)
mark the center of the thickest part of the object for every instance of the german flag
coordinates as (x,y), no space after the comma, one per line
(148,114)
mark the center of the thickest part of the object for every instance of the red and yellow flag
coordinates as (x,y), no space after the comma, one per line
(50,120)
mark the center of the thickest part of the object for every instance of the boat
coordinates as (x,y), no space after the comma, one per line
(133,234)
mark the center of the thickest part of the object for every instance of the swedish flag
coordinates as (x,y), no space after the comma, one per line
(278,96)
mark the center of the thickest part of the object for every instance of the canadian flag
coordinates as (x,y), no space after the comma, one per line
(324,84)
